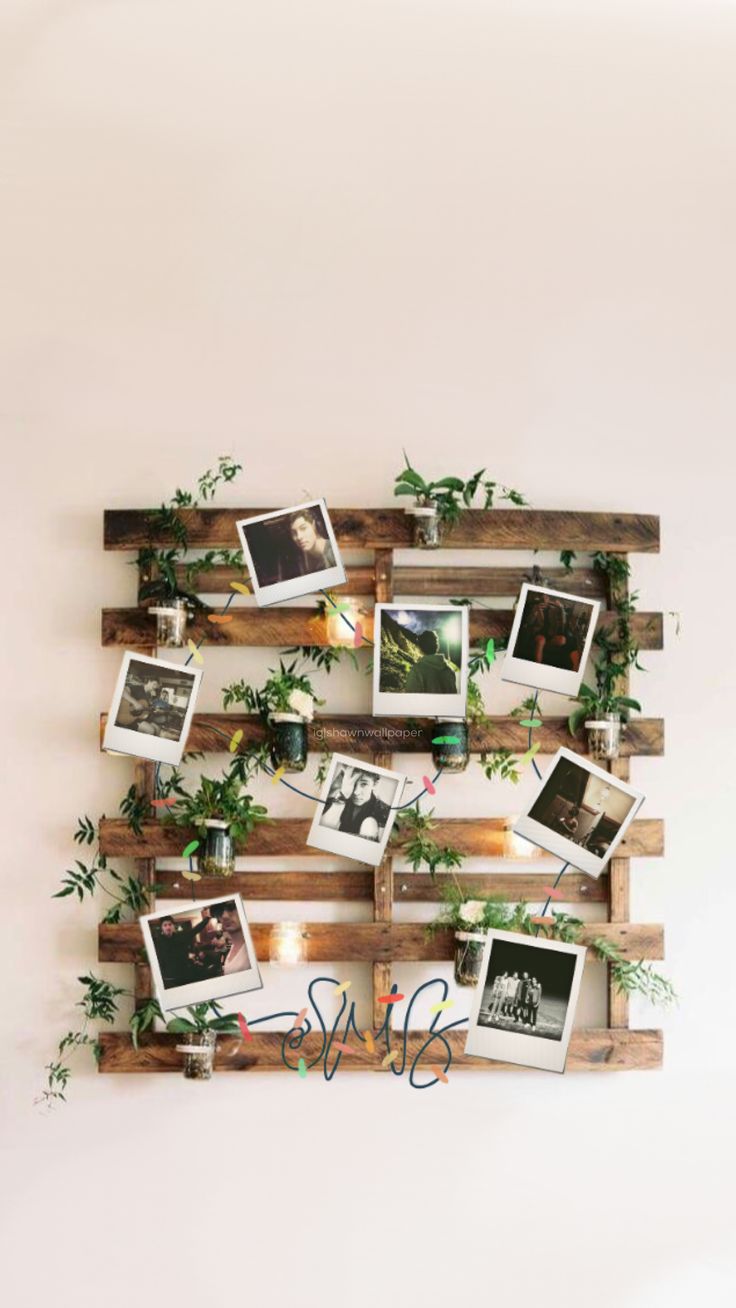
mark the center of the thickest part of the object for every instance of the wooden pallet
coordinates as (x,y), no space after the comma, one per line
(383,941)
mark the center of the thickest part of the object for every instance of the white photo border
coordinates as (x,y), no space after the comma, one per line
(342,843)
(124,740)
(525,672)
(553,841)
(217,987)
(513,1046)
(310,582)
(389,703)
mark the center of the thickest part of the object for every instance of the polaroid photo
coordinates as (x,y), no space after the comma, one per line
(420,660)
(200,952)
(580,813)
(524,1003)
(550,640)
(356,810)
(291,552)
(152,709)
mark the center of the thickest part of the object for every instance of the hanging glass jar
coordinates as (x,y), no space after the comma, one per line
(171,623)
(199,1055)
(289,741)
(425,527)
(604,737)
(451,754)
(469,946)
(217,859)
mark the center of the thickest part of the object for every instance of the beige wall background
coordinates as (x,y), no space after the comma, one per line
(307,234)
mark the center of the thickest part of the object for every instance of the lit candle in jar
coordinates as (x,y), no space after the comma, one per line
(288,944)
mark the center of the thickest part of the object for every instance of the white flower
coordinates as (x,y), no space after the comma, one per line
(302,703)
(472,910)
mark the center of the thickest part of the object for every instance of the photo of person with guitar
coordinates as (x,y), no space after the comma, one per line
(154,703)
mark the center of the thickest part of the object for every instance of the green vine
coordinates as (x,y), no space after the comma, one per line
(159,566)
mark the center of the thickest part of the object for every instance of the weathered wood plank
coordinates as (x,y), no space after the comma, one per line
(488,583)
(477,837)
(354,887)
(590,1050)
(390,528)
(382,942)
(281,626)
(351,733)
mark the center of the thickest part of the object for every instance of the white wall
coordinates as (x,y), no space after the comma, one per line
(306,234)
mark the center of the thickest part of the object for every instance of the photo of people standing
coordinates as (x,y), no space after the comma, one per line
(527,989)
(198,944)
(154,699)
(553,630)
(285,547)
(584,807)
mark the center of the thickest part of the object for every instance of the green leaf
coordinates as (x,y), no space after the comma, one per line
(180,1026)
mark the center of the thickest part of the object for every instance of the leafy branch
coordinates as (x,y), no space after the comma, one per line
(412,837)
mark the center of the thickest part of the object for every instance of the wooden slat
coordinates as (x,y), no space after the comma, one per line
(354,887)
(351,733)
(481,837)
(385,942)
(390,528)
(590,1050)
(275,627)
(488,583)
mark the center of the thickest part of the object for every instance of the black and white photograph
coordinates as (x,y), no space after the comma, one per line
(420,662)
(524,1003)
(550,640)
(291,552)
(357,810)
(580,813)
(152,709)
(200,952)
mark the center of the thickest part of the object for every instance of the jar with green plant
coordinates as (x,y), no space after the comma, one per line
(285,705)
(604,709)
(438,504)
(167,576)
(222,813)
(470,917)
(200,1031)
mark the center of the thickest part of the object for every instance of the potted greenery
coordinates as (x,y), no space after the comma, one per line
(201,1029)
(604,714)
(165,576)
(221,813)
(438,504)
(470,919)
(285,704)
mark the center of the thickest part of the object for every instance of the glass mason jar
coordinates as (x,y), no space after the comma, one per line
(289,741)
(171,623)
(426,527)
(604,736)
(451,757)
(469,946)
(199,1055)
(217,859)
